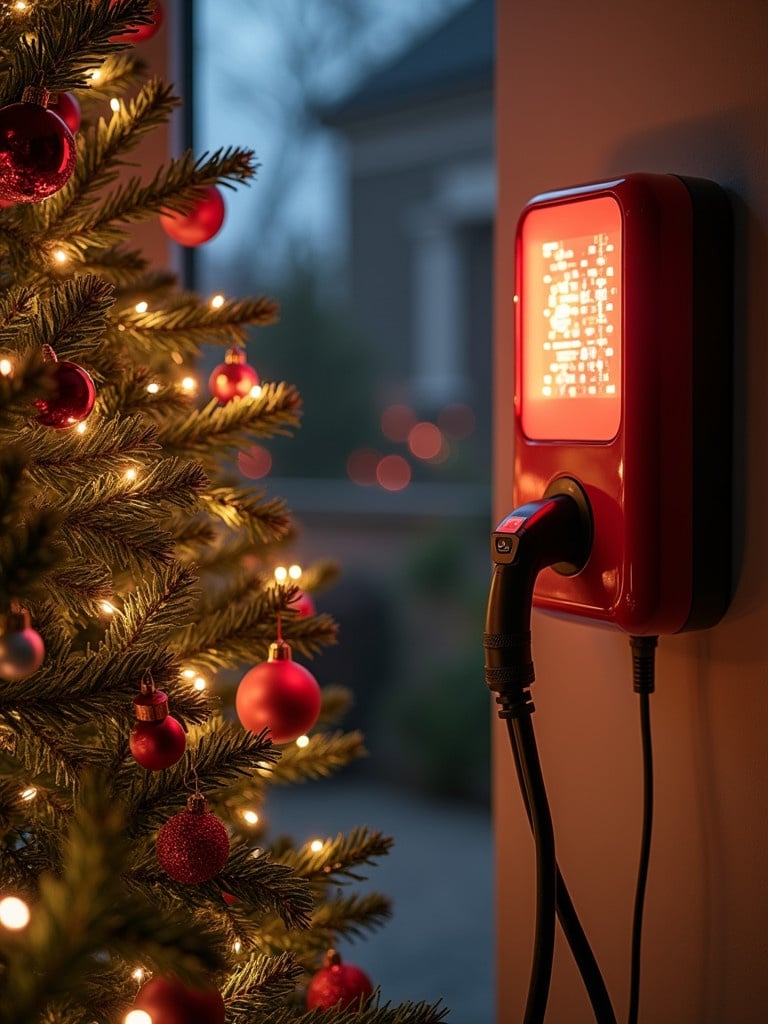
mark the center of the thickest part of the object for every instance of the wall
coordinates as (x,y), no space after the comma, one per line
(586,92)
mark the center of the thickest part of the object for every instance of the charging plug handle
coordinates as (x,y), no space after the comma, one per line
(556,530)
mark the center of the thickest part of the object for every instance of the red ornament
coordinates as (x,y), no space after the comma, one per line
(168,1001)
(157,740)
(138,33)
(278,695)
(37,150)
(193,845)
(338,985)
(73,398)
(68,109)
(302,603)
(234,378)
(200,224)
(21,647)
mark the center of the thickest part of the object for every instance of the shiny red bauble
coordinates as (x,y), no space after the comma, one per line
(234,378)
(21,648)
(138,33)
(200,224)
(169,1001)
(71,400)
(37,153)
(193,846)
(158,745)
(68,109)
(278,695)
(338,985)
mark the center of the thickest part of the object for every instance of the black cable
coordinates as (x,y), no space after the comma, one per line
(535,796)
(572,928)
(643,666)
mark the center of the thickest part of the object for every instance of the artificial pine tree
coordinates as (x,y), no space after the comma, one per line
(130,565)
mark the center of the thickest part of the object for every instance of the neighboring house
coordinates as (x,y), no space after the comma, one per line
(420,144)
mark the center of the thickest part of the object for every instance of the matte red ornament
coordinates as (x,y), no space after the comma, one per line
(200,224)
(68,109)
(37,150)
(278,695)
(158,740)
(21,647)
(338,985)
(169,1001)
(234,378)
(303,603)
(138,33)
(193,845)
(72,398)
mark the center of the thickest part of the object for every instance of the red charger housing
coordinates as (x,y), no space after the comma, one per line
(623,383)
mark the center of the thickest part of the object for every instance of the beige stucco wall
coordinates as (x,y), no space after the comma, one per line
(587,91)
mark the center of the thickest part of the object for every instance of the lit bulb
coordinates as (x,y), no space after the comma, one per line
(142,307)
(294,571)
(138,974)
(153,388)
(29,794)
(114,104)
(302,741)
(81,428)
(251,817)
(95,74)
(281,574)
(6,367)
(189,384)
(137,1017)
(217,301)
(255,391)
(188,673)
(200,683)
(60,256)
(131,474)
(107,608)
(14,913)
(20,5)
(237,945)
(316,845)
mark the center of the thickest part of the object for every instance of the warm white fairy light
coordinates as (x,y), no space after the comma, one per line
(200,683)
(142,307)
(14,913)
(255,391)
(188,673)
(302,741)
(60,256)
(316,845)
(137,1017)
(237,945)
(138,974)
(107,608)
(21,5)
(251,817)
(295,571)
(114,104)
(29,793)
(177,357)
(189,384)
(217,301)
(153,388)
(281,573)
(95,74)
(81,427)
(131,473)
(6,367)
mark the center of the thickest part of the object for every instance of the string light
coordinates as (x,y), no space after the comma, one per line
(295,571)
(131,473)
(302,741)
(29,793)
(138,974)
(189,384)
(281,573)
(20,5)
(200,683)
(6,367)
(255,391)
(60,256)
(153,388)
(81,428)
(142,307)
(137,1017)
(114,104)
(217,301)
(107,608)
(316,845)
(14,913)
(251,817)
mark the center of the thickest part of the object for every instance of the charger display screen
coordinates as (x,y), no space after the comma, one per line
(570,348)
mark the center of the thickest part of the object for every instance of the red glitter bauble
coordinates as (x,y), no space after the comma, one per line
(71,401)
(168,1001)
(278,695)
(200,224)
(68,109)
(158,745)
(138,33)
(21,648)
(193,846)
(338,985)
(234,378)
(37,153)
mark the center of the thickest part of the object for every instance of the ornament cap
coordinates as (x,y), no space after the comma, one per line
(197,804)
(235,356)
(36,94)
(332,958)
(151,706)
(280,651)
(17,620)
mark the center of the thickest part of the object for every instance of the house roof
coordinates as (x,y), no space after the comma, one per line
(456,56)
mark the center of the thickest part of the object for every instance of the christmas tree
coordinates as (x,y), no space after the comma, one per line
(135,882)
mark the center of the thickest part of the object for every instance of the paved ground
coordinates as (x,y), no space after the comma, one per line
(439,944)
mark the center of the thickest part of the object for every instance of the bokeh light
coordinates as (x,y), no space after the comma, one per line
(393,473)
(362,465)
(255,462)
(425,440)
(397,421)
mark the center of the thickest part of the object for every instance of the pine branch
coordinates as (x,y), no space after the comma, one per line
(320,758)
(118,73)
(72,316)
(259,982)
(260,518)
(405,1013)
(336,859)
(349,917)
